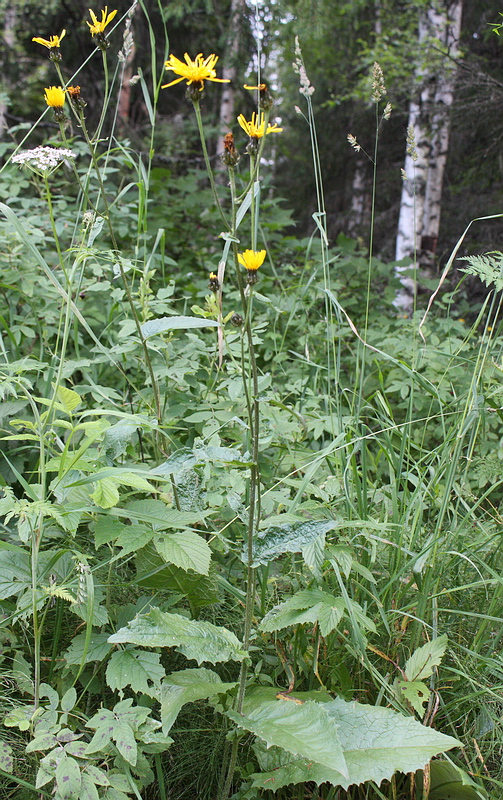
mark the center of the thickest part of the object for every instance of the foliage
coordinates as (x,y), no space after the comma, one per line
(281,480)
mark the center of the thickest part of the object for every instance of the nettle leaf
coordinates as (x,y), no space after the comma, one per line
(155,326)
(308,605)
(416,692)
(15,572)
(376,743)
(136,668)
(201,641)
(288,538)
(186,686)
(98,648)
(69,399)
(306,730)
(423,660)
(186,550)
(106,493)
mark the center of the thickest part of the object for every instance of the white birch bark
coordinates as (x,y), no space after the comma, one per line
(419,218)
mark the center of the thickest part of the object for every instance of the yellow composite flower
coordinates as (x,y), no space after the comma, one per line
(194,71)
(53,43)
(55,96)
(255,128)
(251,259)
(99,25)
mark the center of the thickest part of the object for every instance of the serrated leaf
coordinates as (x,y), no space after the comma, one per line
(155,326)
(98,648)
(416,692)
(14,572)
(154,573)
(308,605)
(376,742)
(136,668)
(186,686)
(186,550)
(305,730)
(107,529)
(69,399)
(202,641)
(423,660)
(97,775)
(288,538)
(125,742)
(157,514)
(68,779)
(106,493)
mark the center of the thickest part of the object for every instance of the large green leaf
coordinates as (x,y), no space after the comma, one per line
(288,538)
(139,669)
(157,514)
(376,743)
(303,729)
(186,550)
(186,686)
(154,573)
(201,641)
(308,605)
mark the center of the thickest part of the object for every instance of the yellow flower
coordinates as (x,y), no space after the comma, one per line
(98,26)
(52,43)
(251,259)
(55,96)
(197,71)
(255,128)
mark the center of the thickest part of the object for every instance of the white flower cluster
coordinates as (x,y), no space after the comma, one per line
(43,158)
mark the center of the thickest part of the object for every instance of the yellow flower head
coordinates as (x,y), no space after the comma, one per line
(98,26)
(194,71)
(53,43)
(251,259)
(55,96)
(255,128)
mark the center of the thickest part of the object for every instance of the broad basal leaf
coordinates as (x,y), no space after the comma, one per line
(139,669)
(376,743)
(422,661)
(305,730)
(186,550)
(202,641)
(186,686)
(289,538)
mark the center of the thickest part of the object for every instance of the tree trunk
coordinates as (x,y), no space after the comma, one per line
(237,15)
(9,40)
(428,141)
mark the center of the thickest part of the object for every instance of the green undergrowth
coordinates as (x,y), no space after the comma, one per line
(250,530)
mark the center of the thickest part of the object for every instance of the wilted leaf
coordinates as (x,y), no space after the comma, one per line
(186,686)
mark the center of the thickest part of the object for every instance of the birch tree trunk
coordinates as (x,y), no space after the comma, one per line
(428,141)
